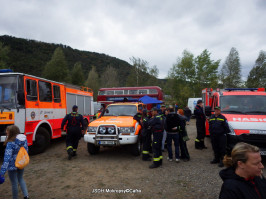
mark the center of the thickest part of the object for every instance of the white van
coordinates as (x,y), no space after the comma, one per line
(191,103)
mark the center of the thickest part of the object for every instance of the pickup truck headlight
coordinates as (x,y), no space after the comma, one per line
(232,132)
(92,129)
(127,130)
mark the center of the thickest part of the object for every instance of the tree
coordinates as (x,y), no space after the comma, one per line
(184,69)
(77,75)
(140,70)
(206,72)
(110,78)
(257,75)
(4,51)
(180,80)
(153,73)
(231,71)
(93,82)
(56,69)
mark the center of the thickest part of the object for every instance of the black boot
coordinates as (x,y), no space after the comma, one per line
(215,161)
(74,153)
(154,166)
(70,153)
(202,145)
(146,157)
(197,145)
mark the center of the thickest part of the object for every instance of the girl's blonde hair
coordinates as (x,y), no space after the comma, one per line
(239,153)
(13,131)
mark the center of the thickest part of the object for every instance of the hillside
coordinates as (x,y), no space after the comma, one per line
(30,56)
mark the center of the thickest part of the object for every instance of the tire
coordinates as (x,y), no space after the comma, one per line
(93,149)
(42,141)
(136,149)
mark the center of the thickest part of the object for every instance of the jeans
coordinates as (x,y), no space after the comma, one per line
(16,176)
(164,138)
(174,137)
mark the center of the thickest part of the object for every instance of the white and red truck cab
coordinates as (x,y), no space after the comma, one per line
(245,110)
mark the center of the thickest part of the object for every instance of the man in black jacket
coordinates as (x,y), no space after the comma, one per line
(173,127)
(75,127)
(243,178)
(200,124)
(218,128)
(157,126)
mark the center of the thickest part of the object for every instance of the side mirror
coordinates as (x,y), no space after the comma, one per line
(208,110)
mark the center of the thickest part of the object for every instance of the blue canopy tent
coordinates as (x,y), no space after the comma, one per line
(149,100)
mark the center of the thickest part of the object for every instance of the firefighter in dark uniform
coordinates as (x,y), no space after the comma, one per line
(218,128)
(156,123)
(74,128)
(200,124)
(146,136)
(138,116)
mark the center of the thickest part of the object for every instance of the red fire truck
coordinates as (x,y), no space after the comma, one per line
(245,110)
(37,106)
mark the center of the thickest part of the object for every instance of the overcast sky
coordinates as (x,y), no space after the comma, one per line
(153,30)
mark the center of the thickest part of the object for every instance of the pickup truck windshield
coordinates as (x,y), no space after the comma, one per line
(121,110)
(8,88)
(253,104)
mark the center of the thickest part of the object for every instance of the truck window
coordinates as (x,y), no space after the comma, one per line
(45,91)
(118,92)
(143,91)
(57,97)
(121,110)
(133,91)
(31,90)
(252,104)
(110,92)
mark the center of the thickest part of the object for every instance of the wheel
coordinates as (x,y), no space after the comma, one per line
(42,141)
(136,148)
(93,149)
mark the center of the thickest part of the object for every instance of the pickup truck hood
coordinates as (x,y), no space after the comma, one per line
(120,121)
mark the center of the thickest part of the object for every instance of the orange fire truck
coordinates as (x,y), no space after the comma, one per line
(245,110)
(37,106)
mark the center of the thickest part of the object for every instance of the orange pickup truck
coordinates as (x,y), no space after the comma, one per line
(115,127)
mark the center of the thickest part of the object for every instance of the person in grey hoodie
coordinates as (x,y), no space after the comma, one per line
(14,141)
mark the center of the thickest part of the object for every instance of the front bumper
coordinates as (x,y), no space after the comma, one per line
(113,140)
(258,140)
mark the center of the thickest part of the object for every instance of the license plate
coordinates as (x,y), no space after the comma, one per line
(107,142)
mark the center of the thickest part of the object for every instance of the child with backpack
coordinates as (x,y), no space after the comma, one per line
(13,143)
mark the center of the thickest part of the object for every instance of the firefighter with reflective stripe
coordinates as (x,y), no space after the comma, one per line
(218,128)
(75,127)
(200,124)
(146,136)
(156,123)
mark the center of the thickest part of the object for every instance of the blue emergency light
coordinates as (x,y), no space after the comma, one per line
(241,89)
(5,70)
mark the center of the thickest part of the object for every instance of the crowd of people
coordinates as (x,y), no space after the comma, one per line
(242,177)
(163,125)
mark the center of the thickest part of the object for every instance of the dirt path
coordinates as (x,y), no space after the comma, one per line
(115,173)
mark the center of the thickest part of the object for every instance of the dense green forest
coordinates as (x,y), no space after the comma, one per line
(30,56)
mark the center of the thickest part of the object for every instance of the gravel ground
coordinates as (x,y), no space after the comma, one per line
(115,173)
